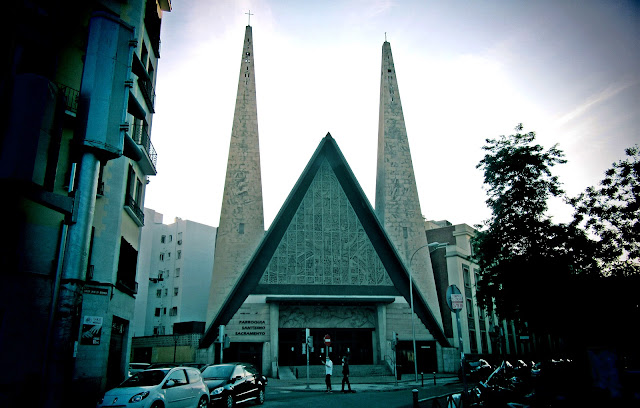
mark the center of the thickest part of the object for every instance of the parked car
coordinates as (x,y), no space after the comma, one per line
(177,387)
(233,383)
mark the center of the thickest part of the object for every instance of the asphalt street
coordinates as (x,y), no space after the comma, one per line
(382,392)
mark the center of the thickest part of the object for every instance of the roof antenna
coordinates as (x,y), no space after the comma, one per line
(249,13)
(385,36)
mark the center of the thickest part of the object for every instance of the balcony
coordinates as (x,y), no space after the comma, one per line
(140,135)
(149,95)
(133,209)
(71,97)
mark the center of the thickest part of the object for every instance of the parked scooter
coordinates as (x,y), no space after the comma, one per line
(503,387)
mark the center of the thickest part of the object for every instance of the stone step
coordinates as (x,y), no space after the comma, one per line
(318,371)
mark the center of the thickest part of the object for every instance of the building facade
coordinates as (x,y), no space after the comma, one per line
(484,334)
(76,156)
(174,275)
(353,276)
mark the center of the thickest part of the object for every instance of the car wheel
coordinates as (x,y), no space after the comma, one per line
(229,400)
(203,403)
(157,404)
(260,399)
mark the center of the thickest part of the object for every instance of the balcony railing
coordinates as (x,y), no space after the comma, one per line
(132,206)
(71,97)
(140,135)
(148,93)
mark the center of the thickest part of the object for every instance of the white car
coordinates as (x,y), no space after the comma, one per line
(176,387)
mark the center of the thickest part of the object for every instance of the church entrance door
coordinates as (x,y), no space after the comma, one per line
(357,343)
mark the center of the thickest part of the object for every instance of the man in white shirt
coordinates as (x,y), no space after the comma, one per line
(328,365)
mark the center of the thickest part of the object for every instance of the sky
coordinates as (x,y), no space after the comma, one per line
(467,71)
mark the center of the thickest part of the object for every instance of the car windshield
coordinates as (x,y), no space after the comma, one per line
(218,371)
(145,378)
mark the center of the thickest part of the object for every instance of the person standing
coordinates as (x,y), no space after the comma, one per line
(328,366)
(345,373)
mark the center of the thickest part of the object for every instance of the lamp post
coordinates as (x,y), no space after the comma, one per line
(434,245)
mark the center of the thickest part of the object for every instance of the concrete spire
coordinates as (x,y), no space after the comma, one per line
(241,216)
(397,201)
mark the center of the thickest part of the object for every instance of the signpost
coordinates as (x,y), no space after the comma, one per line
(309,342)
(455,301)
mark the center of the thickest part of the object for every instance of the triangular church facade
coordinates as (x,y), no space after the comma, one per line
(327,264)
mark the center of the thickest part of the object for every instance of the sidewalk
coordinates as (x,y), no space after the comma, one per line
(368,384)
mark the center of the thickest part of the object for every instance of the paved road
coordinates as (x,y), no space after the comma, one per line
(369,395)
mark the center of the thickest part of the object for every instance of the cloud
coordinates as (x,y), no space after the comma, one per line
(600,97)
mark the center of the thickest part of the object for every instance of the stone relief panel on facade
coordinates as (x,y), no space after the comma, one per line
(325,243)
(326,316)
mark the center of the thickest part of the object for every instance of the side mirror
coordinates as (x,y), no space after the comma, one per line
(169,384)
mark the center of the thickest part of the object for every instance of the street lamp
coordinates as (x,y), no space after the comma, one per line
(434,245)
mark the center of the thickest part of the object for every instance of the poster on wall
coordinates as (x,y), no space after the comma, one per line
(91,330)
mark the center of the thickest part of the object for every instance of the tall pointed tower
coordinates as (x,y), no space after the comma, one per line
(397,202)
(242,216)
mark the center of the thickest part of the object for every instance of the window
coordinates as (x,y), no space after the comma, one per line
(193,374)
(177,272)
(168,255)
(150,71)
(159,293)
(161,256)
(158,330)
(241,228)
(144,55)
(238,372)
(166,291)
(179,254)
(173,311)
(170,238)
(127,265)
(179,377)
(473,340)
(164,310)
(133,197)
(157,311)
(175,291)
(469,308)
(162,239)
(466,275)
(160,275)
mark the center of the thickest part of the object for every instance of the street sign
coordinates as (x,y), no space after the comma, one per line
(457,301)
(327,339)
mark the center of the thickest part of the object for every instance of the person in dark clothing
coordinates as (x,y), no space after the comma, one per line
(345,373)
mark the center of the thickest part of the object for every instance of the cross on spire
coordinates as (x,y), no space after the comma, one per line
(249,13)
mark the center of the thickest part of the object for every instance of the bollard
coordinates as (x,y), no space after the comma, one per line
(415,398)
(434,378)
(422,375)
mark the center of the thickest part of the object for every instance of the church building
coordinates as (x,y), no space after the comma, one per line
(359,279)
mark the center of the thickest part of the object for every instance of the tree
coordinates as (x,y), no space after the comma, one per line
(526,260)
(611,213)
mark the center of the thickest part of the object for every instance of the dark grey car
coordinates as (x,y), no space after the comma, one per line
(234,383)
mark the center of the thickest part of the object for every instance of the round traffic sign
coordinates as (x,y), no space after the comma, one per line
(327,339)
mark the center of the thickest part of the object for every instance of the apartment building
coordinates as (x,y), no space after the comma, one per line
(75,157)
(175,263)
(483,332)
